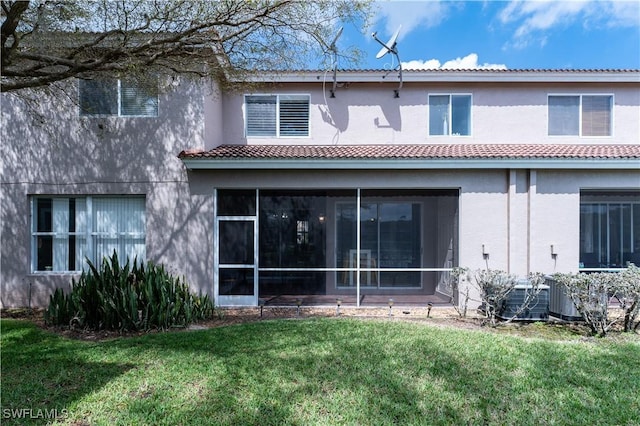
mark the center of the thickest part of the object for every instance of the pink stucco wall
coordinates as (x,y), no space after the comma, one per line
(368,113)
(516,214)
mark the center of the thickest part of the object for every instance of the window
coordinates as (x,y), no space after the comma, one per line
(67,230)
(580,115)
(277,115)
(119,97)
(302,232)
(609,229)
(449,115)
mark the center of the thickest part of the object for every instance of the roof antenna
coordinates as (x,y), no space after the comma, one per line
(391,47)
(334,49)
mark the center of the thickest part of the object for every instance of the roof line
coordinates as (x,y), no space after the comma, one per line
(419,156)
(409,164)
(457,75)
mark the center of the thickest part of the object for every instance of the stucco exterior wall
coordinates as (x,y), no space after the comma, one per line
(53,151)
(555,213)
(514,214)
(369,114)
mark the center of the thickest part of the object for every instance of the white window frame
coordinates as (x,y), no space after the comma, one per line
(88,233)
(277,112)
(450,105)
(580,96)
(119,103)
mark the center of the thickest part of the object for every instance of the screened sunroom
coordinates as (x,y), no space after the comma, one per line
(362,246)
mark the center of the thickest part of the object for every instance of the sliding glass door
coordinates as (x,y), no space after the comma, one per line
(390,243)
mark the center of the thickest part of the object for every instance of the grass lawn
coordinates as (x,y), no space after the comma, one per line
(320,371)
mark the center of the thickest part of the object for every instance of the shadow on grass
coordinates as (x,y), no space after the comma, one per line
(356,372)
(327,371)
(44,374)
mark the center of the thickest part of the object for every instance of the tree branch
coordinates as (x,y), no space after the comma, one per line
(183,36)
(13,11)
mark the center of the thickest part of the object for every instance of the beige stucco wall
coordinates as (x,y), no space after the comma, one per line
(53,151)
(515,214)
(369,114)
(556,211)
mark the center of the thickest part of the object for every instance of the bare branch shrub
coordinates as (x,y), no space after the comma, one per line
(535,281)
(590,295)
(458,276)
(494,287)
(627,292)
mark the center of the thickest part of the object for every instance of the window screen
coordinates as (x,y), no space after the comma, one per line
(294,116)
(139,99)
(580,115)
(596,115)
(450,115)
(261,115)
(277,115)
(98,97)
(115,97)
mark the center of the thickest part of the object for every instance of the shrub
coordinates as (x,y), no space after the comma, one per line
(127,297)
(494,287)
(591,293)
(628,294)
(457,277)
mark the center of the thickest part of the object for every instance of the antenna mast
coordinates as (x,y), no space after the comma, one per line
(333,48)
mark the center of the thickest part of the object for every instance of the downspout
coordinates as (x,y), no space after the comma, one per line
(511,211)
(533,190)
(358,248)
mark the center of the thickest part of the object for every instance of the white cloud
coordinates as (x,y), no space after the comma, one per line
(409,14)
(622,13)
(533,19)
(467,63)
(421,65)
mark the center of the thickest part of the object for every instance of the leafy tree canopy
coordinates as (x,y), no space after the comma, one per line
(47,41)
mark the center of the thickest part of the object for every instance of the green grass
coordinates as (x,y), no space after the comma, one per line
(321,371)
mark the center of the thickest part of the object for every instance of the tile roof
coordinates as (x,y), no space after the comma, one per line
(626,76)
(409,152)
(488,70)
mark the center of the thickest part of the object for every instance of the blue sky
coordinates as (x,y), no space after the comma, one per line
(569,34)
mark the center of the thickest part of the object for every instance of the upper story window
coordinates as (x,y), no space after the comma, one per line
(277,115)
(449,115)
(110,96)
(580,115)
(65,231)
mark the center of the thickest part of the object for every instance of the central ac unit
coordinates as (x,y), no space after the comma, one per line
(560,304)
(537,309)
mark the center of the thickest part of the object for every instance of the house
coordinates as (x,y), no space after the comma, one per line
(304,187)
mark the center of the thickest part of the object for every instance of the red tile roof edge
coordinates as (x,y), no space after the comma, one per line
(424,151)
(478,70)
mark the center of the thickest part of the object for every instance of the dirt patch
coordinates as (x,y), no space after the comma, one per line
(440,315)
(437,316)
(446,317)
